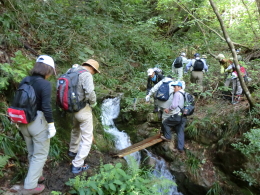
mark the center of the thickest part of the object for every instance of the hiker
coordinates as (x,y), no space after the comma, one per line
(197,66)
(178,64)
(153,92)
(153,78)
(82,131)
(175,120)
(224,64)
(37,133)
(236,85)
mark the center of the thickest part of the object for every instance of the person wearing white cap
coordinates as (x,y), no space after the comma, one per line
(176,120)
(152,80)
(37,134)
(178,64)
(82,132)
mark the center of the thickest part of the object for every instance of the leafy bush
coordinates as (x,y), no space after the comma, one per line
(114,180)
(3,162)
(14,72)
(250,147)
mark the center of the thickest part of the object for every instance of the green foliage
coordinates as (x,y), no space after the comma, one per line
(55,193)
(250,147)
(57,150)
(215,189)
(193,163)
(115,180)
(3,162)
(14,72)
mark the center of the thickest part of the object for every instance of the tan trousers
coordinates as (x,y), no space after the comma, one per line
(38,144)
(81,135)
(197,78)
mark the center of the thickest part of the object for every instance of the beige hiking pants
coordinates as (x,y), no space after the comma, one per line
(197,78)
(38,144)
(81,135)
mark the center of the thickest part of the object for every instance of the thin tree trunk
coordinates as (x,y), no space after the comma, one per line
(234,54)
(250,17)
(258,6)
(214,31)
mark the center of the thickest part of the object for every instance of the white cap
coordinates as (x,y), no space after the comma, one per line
(183,54)
(150,71)
(46,60)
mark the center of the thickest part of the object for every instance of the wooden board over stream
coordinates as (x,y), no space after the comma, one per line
(140,145)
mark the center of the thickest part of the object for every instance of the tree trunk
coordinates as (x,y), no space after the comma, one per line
(234,54)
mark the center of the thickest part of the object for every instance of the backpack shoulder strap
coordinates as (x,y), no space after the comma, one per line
(184,95)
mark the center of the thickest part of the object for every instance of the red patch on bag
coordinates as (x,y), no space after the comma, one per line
(17,116)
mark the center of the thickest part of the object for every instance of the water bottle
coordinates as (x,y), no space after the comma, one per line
(74,101)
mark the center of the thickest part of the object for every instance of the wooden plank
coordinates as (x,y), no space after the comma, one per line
(141,143)
(139,146)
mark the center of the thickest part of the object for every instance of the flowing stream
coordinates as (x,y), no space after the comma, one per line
(110,110)
(161,171)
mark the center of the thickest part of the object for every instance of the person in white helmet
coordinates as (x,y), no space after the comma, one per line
(152,80)
(37,133)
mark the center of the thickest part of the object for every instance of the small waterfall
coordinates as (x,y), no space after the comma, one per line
(110,110)
(161,171)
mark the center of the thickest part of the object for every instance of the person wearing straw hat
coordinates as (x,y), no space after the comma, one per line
(37,133)
(82,131)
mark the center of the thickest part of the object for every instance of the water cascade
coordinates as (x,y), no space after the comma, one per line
(161,171)
(110,110)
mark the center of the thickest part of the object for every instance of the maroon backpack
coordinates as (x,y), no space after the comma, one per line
(67,95)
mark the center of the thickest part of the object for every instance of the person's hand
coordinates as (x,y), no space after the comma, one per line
(166,110)
(51,130)
(147,98)
(93,105)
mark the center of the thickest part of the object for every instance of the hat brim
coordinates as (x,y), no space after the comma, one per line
(92,67)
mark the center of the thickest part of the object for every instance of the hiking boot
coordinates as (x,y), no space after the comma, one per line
(178,151)
(164,138)
(72,154)
(79,169)
(41,179)
(181,151)
(37,190)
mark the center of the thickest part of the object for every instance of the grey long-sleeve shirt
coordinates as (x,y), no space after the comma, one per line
(86,87)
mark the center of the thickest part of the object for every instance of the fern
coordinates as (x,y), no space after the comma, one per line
(3,162)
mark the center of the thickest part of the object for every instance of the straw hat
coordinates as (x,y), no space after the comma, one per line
(92,63)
